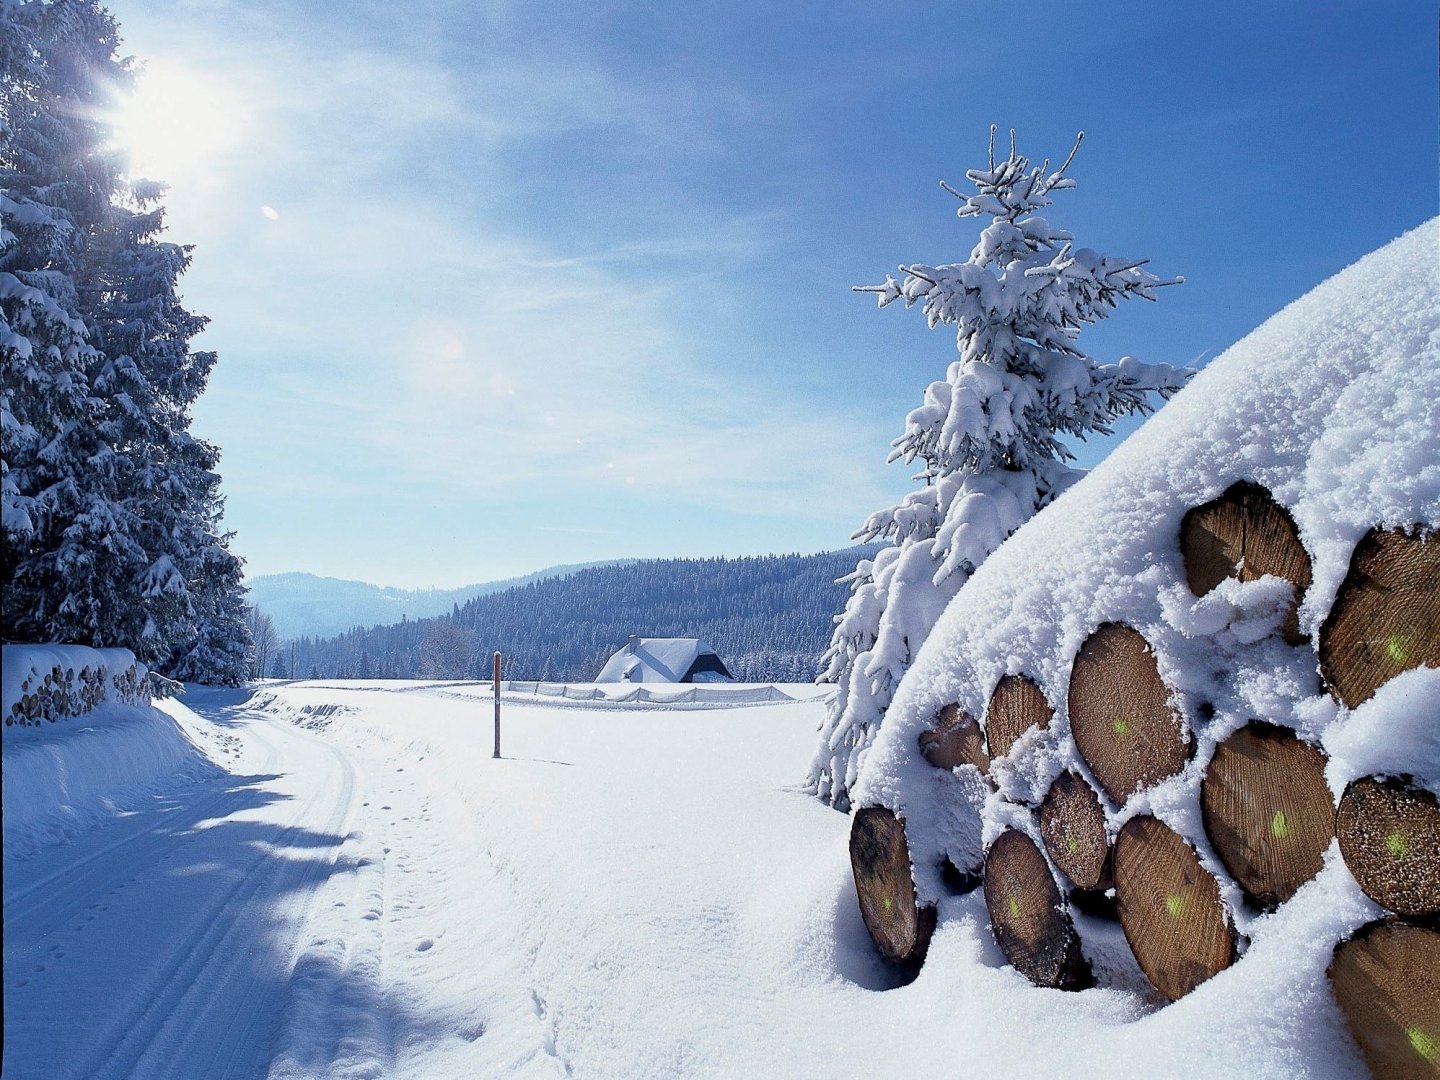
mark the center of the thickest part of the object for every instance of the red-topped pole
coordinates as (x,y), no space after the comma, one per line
(497,706)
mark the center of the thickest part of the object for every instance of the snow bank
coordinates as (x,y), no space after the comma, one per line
(110,751)
(53,682)
(1332,406)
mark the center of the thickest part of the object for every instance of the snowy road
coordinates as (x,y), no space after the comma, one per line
(344,900)
(156,946)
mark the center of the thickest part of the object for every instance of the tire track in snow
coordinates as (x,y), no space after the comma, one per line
(200,1010)
(101,870)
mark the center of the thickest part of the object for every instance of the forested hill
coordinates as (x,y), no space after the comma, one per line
(769,617)
(304,605)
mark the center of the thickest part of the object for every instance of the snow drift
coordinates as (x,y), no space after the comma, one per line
(82,743)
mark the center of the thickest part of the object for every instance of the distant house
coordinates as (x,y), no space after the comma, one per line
(679,660)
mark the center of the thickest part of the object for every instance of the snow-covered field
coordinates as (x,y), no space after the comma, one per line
(362,891)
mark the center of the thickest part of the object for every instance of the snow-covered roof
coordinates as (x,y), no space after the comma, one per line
(655,660)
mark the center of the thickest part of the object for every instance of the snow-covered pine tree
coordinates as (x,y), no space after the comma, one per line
(988,436)
(111,507)
(53,185)
(162,476)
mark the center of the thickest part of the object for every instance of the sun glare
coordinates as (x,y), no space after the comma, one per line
(178,125)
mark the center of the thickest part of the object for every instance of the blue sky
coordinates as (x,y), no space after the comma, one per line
(499,286)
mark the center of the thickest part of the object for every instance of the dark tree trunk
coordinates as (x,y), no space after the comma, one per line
(1387,982)
(1072,824)
(1245,534)
(956,739)
(1029,917)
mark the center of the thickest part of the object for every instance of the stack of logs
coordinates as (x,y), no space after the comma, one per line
(1266,808)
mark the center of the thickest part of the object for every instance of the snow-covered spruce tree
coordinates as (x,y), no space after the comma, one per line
(52,185)
(111,506)
(988,436)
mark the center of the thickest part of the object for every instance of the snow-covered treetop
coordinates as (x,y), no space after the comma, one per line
(1018,304)
(988,434)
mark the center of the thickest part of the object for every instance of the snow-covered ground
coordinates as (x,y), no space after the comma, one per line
(362,891)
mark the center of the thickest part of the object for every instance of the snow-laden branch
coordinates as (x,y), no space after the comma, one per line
(989,435)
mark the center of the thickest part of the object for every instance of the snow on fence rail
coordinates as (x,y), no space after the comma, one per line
(57,682)
(711,695)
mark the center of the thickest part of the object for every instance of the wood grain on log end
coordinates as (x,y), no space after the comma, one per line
(1386,980)
(885,886)
(1386,616)
(1029,917)
(1268,811)
(956,739)
(1389,833)
(1170,908)
(1120,713)
(1016,706)
(1072,824)
(1245,533)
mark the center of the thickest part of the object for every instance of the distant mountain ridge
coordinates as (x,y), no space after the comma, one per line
(769,616)
(308,605)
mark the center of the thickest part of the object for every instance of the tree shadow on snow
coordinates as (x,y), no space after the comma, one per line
(184,916)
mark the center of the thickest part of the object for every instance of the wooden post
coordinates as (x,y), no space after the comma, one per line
(497,706)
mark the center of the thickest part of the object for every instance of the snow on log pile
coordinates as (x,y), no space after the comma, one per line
(55,682)
(82,741)
(1203,689)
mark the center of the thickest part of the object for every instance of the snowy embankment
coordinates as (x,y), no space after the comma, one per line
(82,743)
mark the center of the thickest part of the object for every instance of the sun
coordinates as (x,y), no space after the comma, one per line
(178,124)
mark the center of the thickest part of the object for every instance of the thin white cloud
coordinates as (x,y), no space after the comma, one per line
(396,317)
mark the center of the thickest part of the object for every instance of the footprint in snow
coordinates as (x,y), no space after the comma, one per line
(425,946)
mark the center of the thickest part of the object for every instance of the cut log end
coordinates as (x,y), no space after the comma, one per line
(1029,917)
(956,739)
(1120,713)
(1389,832)
(1016,706)
(885,886)
(1170,908)
(1386,616)
(1387,982)
(1268,811)
(1245,534)
(1072,824)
